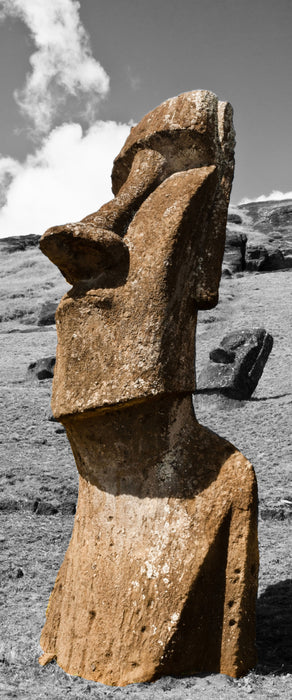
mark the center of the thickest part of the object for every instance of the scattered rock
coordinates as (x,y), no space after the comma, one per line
(268,226)
(237,364)
(275,513)
(256,258)
(42,369)
(234,218)
(276,260)
(47,313)
(234,254)
(263,259)
(11,505)
(39,507)
(12,244)
(45,508)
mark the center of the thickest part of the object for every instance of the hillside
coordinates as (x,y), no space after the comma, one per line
(39,479)
(263,230)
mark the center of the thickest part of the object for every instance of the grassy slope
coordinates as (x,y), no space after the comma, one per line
(38,477)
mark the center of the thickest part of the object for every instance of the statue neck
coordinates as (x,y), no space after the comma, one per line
(130,447)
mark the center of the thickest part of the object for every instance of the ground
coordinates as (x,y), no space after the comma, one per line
(39,484)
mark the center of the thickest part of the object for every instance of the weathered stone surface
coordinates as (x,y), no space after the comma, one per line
(47,314)
(42,369)
(160,575)
(237,364)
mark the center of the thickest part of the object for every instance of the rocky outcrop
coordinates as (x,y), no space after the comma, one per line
(267,230)
(237,364)
(12,244)
(262,259)
(156,489)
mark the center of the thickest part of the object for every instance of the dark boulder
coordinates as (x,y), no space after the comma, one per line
(263,259)
(256,258)
(288,261)
(276,260)
(237,364)
(234,218)
(47,313)
(42,369)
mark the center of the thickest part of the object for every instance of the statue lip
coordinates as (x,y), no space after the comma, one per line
(83,252)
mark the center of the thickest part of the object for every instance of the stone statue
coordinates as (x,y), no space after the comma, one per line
(236,365)
(160,576)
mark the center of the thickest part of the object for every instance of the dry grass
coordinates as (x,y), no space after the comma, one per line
(39,479)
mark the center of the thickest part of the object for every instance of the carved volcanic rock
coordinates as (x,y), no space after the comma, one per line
(156,580)
(237,364)
(160,576)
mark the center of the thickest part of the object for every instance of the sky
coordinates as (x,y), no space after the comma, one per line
(75,75)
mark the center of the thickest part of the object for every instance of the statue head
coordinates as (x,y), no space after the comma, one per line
(143,265)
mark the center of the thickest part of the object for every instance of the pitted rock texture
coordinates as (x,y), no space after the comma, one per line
(160,576)
(156,580)
(237,364)
(167,226)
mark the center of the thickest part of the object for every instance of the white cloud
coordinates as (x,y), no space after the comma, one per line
(64,74)
(67,178)
(68,175)
(275,195)
(8,170)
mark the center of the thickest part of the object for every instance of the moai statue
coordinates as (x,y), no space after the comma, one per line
(160,576)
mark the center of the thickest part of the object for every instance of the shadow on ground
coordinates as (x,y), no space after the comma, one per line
(274,626)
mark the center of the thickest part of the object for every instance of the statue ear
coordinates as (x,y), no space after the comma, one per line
(211,250)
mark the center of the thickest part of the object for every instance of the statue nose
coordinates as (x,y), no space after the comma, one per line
(84,252)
